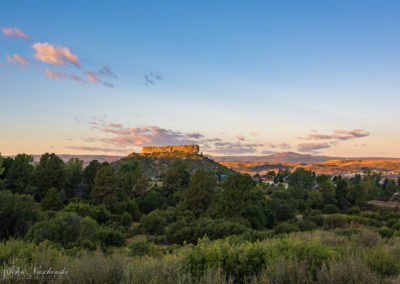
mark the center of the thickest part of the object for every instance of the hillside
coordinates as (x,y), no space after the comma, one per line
(292,157)
(341,166)
(154,164)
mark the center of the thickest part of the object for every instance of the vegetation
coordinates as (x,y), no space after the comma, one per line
(114,224)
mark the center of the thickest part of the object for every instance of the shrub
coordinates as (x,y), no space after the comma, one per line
(98,213)
(383,263)
(110,237)
(126,219)
(354,211)
(385,232)
(348,270)
(335,221)
(144,248)
(369,238)
(330,209)
(285,228)
(153,223)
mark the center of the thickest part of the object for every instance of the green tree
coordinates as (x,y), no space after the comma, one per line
(103,191)
(342,193)
(303,178)
(74,177)
(328,192)
(88,176)
(52,200)
(131,179)
(17,213)
(50,172)
(176,178)
(19,175)
(198,196)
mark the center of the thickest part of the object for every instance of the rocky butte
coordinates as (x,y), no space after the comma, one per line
(194,149)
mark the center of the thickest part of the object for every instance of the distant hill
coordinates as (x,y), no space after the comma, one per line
(154,164)
(341,166)
(291,157)
(284,157)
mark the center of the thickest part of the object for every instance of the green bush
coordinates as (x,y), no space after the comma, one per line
(110,237)
(144,248)
(354,211)
(98,213)
(383,263)
(126,219)
(335,221)
(330,209)
(285,228)
(153,223)
(385,232)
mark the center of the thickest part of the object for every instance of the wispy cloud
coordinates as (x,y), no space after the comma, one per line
(98,149)
(152,77)
(118,135)
(338,134)
(311,147)
(15,32)
(50,54)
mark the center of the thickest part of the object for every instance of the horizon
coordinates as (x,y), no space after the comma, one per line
(238,79)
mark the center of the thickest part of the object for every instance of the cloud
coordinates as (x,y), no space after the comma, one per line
(280,145)
(152,77)
(338,134)
(311,147)
(97,149)
(63,75)
(240,137)
(50,54)
(91,77)
(267,152)
(106,71)
(15,32)
(235,148)
(254,134)
(55,75)
(21,60)
(120,136)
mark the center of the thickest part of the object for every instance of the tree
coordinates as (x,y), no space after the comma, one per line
(49,173)
(302,178)
(153,223)
(88,176)
(19,175)
(104,187)
(328,192)
(341,193)
(131,179)
(52,200)
(198,196)
(17,212)
(176,178)
(234,195)
(74,175)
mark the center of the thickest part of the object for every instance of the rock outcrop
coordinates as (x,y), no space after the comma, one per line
(170,149)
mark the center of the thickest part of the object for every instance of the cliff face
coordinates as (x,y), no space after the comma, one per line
(170,149)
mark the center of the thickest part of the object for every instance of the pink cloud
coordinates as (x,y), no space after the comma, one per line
(59,55)
(55,75)
(15,32)
(91,77)
(97,149)
(20,59)
(240,137)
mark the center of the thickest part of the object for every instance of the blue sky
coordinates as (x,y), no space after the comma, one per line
(236,77)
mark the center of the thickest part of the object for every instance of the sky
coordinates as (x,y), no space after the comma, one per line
(235,77)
